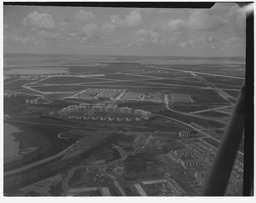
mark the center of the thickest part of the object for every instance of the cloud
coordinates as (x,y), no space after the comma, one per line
(51,35)
(233,42)
(108,27)
(83,16)
(89,28)
(145,37)
(210,42)
(200,42)
(203,20)
(22,40)
(200,20)
(132,19)
(175,25)
(237,19)
(92,40)
(39,20)
(147,33)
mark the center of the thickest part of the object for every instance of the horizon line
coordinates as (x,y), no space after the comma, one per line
(105,55)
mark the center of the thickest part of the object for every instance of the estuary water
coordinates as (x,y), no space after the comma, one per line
(11,144)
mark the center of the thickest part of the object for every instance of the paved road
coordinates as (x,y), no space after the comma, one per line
(216,108)
(202,73)
(196,129)
(34,164)
(216,89)
(166,100)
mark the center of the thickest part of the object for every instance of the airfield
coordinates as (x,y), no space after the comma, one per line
(107,144)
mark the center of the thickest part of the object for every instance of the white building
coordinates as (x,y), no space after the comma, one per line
(98,108)
(125,110)
(185,133)
(111,108)
(142,112)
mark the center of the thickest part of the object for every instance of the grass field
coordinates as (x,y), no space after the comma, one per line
(190,107)
(150,84)
(237,70)
(148,106)
(189,119)
(15,84)
(127,77)
(208,97)
(164,73)
(224,86)
(177,82)
(193,79)
(214,114)
(69,80)
(60,88)
(233,93)
(201,96)
(224,80)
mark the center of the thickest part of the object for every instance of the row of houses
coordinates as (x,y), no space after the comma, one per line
(185,158)
(90,109)
(176,134)
(38,100)
(10,95)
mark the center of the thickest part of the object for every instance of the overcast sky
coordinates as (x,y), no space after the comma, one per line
(219,31)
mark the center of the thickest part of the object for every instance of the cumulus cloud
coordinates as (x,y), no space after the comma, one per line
(23,40)
(148,33)
(132,19)
(233,42)
(89,28)
(175,25)
(203,20)
(83,16)
(39,20)
(211,42)
(237,19)
(108,27)
(199,20)
(145,37)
